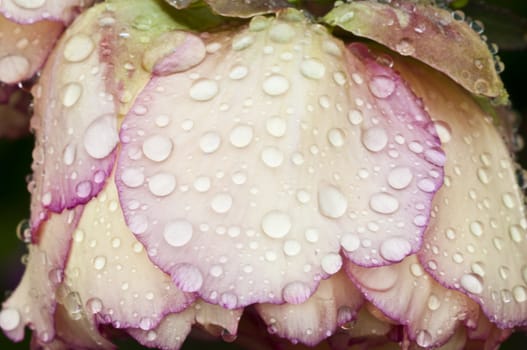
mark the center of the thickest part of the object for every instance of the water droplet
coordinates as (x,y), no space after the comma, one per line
(276,224)
(157,148)
(99,262)
(399,178)
(9,319)
(350,242)
(508,200)
(516,233)
(71,94)
(202,184)
(296,293)
(476,228)
(133,177)
(519,293)
(162,184)
(100,137)
(275,85)
(336,137)
(210,142)
(355,117)
(178,233)
(281,33)
(204,90)
(73,305)
(242,42)
(443,131)
(83,189)
(426,185)
(311,235)
(272,157)
(313,69)
(405,47)
(221,203)
(433,302)
(291,248)
(395,249)
(94,305)
(384,203)
(78,48)
(241,136)
(276,126)
(332,203)
(382,86)
(472,283)
(375,139)
(238,72)
(331,263)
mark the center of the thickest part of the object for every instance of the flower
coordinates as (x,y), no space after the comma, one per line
(191,169)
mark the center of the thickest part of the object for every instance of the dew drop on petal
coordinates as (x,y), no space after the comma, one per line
(71,94)
(162,184)
(382,86)
(332,203)
(350,242)
(313,69)
(100,137)
(272,157)
(241,136)
(132,177)
(375,139)
(210,142)
(9,319)
(472,283)
(276,126)
(204,90)
(178,233)
(78,48)
(399,178)
(275,85)
(157,148)
(331,263)
(384,203)
(221,203)
(276,224)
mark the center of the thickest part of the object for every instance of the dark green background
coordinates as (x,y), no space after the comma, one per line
(15,159)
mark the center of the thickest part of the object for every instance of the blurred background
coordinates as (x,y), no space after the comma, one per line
(505,23)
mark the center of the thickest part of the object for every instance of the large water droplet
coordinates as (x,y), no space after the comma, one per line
(375,139)
(272,157)
(296,293)
(210,142)
(382,86)
(100,137)
(275,85)
(178,233)
(71,93)
(399,178)
(384,203)
(162,184)
(472,283)
(332,203)
(9,319)
(241,136)
(204,90)
(78,48)
(276,224)
(221,203)
(157,148)
(331,263)
(313,69)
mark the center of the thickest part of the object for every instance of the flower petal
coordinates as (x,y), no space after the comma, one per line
(28,31)
(75,142)
(174,328)
(424,31)
(476,241)
(404,292)
(249,162)
(33,302)
(335,303)
(237,8)
(110,272)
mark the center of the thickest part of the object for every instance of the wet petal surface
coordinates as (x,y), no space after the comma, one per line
(258,170)
(476,241)
(34,301)
(110,275)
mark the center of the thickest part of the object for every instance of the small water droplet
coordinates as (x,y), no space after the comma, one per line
(405,47)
